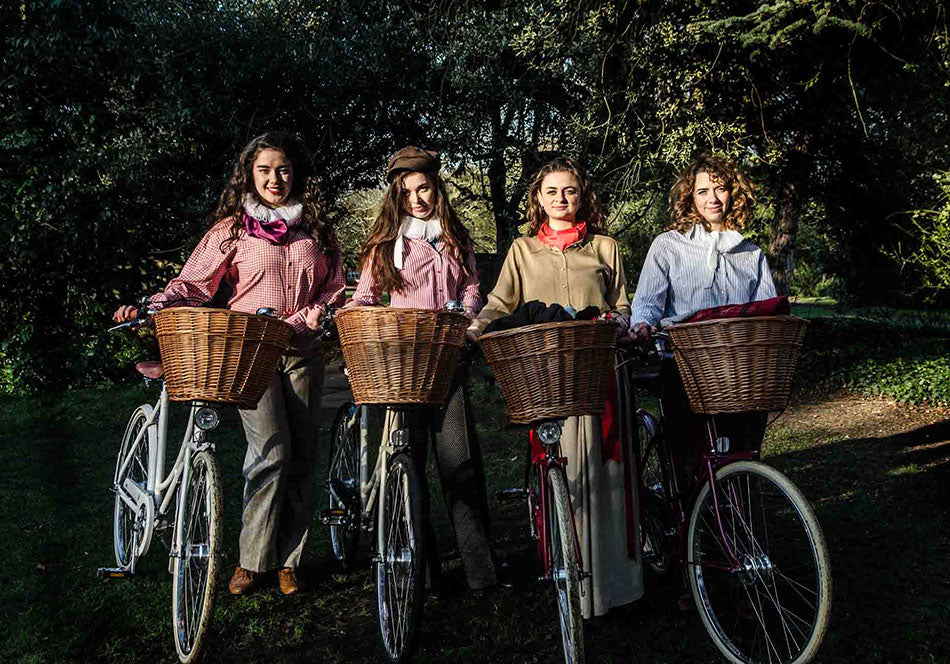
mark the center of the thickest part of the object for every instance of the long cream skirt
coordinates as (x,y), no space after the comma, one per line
(597,496)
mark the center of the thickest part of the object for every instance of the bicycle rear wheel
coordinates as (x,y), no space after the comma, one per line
(343,483)
(565,570)
(194,570)
(653,466)
(774,605)
(130,532)
(400,576)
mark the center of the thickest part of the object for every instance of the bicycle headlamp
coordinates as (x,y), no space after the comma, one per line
(549,432)
(206,418)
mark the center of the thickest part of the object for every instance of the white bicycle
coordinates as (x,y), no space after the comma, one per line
(144,505)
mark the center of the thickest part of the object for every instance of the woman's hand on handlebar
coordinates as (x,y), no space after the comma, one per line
(313,317)
(642,331)
(125,313)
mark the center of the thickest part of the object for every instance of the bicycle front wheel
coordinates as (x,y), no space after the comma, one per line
(400,576)
(196,566)
(130,532)
(565,570)
(758,567)
(343,483)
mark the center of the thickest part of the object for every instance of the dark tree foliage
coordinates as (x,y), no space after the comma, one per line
(120,119)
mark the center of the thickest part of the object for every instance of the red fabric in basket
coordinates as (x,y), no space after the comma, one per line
(774,306)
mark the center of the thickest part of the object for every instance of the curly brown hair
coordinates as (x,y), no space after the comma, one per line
(377,250)
(589,210)
(303,188)
(683,212)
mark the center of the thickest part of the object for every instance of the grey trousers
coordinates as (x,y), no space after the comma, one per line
(458,459)
(280,464)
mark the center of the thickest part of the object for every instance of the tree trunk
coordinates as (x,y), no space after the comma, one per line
(782,247)
(497,179)
(789,206)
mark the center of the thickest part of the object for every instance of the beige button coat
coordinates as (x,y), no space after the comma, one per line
(588,273)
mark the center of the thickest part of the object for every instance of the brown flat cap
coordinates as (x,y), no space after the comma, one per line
(411,158)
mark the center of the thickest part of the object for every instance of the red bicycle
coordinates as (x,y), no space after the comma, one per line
(551,520)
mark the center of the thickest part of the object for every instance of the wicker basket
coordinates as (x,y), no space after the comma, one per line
(217,354)
(400,356)
(552,370)
(737,365)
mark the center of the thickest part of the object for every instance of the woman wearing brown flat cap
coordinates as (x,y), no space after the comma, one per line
(420,253)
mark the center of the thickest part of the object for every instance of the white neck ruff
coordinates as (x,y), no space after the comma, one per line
(416,229)
(290,213)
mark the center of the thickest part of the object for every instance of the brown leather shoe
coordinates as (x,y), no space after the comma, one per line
(243,582)
(287,578)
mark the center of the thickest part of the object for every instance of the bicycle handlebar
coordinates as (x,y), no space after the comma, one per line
(143,313)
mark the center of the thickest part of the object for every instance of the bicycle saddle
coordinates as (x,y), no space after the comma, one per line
(151,370)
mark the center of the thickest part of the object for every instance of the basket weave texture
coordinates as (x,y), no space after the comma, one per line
(400,356)
(217,354)
(736,365)
(552,370)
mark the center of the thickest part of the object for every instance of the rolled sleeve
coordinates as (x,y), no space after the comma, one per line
(200,277)
(469,288)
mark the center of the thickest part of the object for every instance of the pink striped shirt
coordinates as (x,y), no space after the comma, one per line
(431,276)
(291,278)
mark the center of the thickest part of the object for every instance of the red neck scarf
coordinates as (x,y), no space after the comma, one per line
(562,239)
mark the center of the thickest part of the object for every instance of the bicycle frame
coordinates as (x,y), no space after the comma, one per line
(709,461)
(160,488)
(552,459)
(372,485)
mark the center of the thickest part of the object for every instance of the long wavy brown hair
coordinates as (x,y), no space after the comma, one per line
(683,212)
(303,188)
(589,210)
(377,249)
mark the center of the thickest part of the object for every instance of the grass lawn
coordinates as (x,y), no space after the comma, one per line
(881,499)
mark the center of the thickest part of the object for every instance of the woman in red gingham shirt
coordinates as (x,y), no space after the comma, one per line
(272,245)
(420,253)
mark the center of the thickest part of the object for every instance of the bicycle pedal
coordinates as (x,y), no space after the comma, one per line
(516,493)
(113,573)
(335,518)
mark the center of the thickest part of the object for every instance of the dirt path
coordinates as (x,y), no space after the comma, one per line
(913,428)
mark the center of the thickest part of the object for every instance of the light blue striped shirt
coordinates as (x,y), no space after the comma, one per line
(682,275)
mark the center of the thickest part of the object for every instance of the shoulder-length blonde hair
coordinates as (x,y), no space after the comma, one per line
(589,210)
(683,212)
(377,249)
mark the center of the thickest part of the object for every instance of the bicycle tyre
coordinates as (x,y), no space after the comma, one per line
(776,605)
(194,571)
(565,569)
(343,483)
(400,566)
(653,467)
(131,536)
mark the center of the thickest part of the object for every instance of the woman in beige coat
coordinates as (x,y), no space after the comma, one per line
(566,258)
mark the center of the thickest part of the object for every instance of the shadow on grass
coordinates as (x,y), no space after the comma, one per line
(884,509)
(882,502)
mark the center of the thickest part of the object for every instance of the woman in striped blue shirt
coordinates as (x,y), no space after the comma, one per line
(703,260)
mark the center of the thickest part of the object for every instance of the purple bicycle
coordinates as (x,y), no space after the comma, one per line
(748,542)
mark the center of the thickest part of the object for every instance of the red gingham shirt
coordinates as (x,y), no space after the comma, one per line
(291,278)
(431,276)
